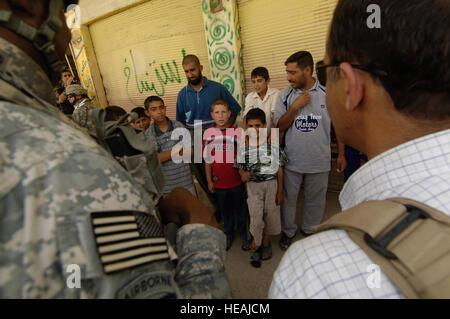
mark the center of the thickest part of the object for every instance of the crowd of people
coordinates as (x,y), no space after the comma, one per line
(68,201)
(261,190)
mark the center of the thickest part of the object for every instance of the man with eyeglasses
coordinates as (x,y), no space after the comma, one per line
(388,94)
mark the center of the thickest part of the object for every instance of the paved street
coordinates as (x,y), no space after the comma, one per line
(248,282)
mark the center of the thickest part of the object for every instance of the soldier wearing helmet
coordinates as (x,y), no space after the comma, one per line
(83,107)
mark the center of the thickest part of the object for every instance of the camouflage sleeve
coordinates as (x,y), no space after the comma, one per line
(49,247)
(200,272)
(80,115)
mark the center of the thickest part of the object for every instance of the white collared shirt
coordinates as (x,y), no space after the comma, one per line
(330,264)
(253,100)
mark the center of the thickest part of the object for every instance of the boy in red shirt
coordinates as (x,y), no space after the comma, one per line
(220,145)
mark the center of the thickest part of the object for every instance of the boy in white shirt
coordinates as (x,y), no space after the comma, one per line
(262,97)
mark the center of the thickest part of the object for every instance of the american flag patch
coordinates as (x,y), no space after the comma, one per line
(127,239)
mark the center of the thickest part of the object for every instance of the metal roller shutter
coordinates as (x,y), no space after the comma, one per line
(139,51)
(272,30)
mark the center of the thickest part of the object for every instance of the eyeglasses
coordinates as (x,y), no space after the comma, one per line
(322,71)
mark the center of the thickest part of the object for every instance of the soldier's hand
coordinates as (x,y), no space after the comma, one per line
(181,207)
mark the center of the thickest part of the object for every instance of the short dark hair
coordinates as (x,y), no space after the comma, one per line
(256,114)
(303,60)
(412,47)
(140,111)
(151,99)
(114,112)
(190,58)
(321,72)
(260,71)
(65,70)
(220,102)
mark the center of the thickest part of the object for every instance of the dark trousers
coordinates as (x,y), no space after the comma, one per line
(353,161)
(231,201)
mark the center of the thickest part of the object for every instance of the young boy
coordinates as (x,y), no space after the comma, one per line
(220,149)
(263,97)
(143,121)
(259,166)
(176,174)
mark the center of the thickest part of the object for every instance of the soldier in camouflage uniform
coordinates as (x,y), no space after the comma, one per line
(67,208)
(83,107)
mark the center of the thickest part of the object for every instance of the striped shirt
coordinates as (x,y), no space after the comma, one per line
(330,264)
(176,174)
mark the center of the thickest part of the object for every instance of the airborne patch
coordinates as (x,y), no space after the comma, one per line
(128,239)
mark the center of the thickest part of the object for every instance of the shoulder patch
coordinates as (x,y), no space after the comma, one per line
(150,285)
(128,239)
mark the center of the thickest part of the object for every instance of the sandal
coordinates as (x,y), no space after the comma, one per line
(285,242)
(246,245)
(266,252)
(256,259)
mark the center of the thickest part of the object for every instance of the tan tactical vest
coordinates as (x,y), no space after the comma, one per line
(408,240)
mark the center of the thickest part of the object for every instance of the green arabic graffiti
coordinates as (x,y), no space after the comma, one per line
(164,73)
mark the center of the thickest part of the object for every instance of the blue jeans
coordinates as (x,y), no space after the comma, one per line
(232,200)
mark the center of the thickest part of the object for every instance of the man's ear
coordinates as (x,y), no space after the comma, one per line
(147,113)
(201,68)
(307,70)
(354,88)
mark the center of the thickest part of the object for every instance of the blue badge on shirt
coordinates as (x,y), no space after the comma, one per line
(307,123)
